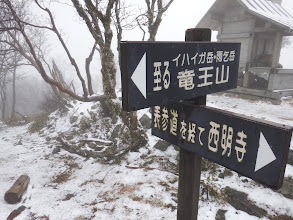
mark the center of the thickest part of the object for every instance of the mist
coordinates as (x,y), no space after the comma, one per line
(31,87)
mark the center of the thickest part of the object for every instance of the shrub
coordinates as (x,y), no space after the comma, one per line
(38,123)
(51,102)
(84,124)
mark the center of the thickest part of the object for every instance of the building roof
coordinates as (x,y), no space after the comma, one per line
(265,9)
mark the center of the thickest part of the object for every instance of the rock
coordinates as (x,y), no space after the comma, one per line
(162,145)
(56,150)
(239,201)
(225,173)
(94,106)
(84,123)
(221,214)
(287,188)
(290,158)
(146,122)
(73,119)
(19,142)
(48,139)
(221,175)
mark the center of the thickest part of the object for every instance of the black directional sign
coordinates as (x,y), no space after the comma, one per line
(251,147)
(158,72)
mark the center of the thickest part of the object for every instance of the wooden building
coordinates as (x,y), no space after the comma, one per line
(259,25)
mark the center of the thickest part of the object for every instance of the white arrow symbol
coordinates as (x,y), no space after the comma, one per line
(139,76)
(265,155)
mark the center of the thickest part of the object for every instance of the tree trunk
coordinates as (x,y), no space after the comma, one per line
(3,98)
(153,30)
(13,93)
(108,73)
(94,21)
(87,70)
(118,27)
(138,135)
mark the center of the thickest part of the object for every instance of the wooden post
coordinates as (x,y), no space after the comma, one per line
(13,195)
(277,50)
(190,163)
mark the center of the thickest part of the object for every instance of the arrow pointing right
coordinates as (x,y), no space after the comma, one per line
(265,155)
(139,76)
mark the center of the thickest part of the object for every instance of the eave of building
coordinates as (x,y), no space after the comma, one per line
(267,10)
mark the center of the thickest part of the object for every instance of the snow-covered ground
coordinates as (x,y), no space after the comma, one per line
(66,186)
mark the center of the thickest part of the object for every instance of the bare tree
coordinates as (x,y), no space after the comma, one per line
(57,75)
(16,62)
(3,87)
(88,61)
(98,16)
(16,18)
(122,20)
(3,95)
(152,17)
(10,60)
(6,57)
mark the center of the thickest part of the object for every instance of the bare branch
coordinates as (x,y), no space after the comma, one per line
(93,25)
(154,13)
(72,60)
(87,68)
(37,26)
(35,57)
(141,28)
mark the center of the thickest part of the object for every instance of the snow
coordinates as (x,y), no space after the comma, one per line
(267,9)
(265,110)
(66,186)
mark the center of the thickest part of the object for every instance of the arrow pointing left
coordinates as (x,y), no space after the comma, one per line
(139,76)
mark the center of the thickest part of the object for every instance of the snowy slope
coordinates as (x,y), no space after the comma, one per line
(66,186)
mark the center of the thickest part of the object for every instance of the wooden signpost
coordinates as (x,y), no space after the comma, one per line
(162,73)
(190,163)
(254,148)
